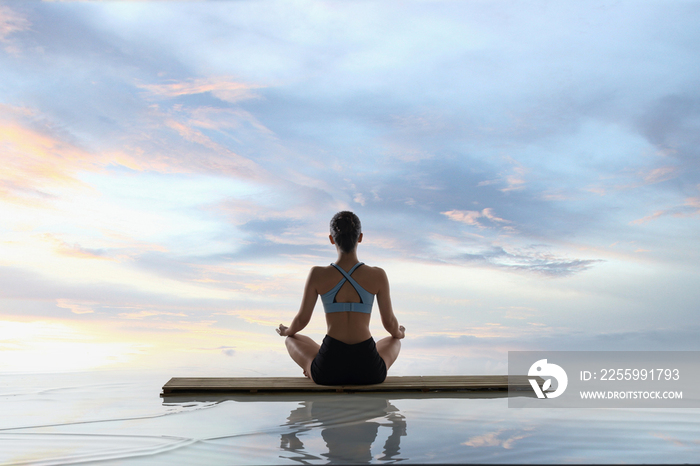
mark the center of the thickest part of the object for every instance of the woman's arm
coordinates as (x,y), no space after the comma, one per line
(308,302)
(389,320)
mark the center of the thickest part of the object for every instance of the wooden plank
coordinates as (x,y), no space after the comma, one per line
(263,397)
(189,385)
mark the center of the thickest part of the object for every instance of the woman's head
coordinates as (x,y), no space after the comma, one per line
(345,230)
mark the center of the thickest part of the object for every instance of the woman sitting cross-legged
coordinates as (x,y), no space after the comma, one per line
(348,355)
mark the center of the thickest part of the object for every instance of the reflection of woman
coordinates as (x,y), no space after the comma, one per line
(349,426)
(348,355)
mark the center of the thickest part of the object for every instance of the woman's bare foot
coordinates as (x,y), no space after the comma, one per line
(305,374)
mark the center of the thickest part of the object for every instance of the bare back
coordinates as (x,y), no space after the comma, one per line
(348,327)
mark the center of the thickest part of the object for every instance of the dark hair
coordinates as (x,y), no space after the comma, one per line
(345,229)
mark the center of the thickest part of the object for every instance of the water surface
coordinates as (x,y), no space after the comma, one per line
(118,417)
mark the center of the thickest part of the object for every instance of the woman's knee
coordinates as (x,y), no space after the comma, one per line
(388,348)
(300,344)
(291,342)
(390,342)
(292,345)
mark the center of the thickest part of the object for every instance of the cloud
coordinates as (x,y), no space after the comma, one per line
(519,312)
(74,250)
(149,313)
(658,175)
(218,119)
(265,317)
(516,180)
(499,341)
(227,350)
(534,261)
(472,249)
(38,156)
(223,88)
(465,216)
(27,196)
(34,293)
(11,22)
(690,207)
(470,216)
(77,307)
(197,138)
(671,122)
(218,158)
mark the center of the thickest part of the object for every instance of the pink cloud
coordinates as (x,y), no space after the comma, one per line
(657,175)
(73,250)
(642,178)
(465,216)
(516,180)
(515,183)
(219,119)
(488,213)
(223,88)
(10,23)
(36,156)
(76,307)
(470,216)
(690,207)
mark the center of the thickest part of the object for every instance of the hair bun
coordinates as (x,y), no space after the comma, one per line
(346,229)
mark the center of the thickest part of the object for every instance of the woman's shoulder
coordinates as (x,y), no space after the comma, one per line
(379,275)
(373,279)
(378,271)
(323,272)
(371,274)
(320,271)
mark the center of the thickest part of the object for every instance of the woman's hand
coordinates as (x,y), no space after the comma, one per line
(402,332)
(282,330)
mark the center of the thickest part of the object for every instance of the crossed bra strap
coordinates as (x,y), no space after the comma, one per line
(366,298)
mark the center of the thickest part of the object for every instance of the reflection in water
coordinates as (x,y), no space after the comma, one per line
(349,426)
(118,423)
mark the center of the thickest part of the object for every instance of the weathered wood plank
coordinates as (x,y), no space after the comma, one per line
(180,385)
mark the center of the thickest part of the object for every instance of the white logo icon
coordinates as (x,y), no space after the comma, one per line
(542,369)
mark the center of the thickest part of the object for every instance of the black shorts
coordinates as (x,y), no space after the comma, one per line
(338,363)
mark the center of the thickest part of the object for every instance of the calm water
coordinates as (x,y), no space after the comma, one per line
(119,418)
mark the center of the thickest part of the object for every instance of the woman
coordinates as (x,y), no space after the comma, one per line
(348,355)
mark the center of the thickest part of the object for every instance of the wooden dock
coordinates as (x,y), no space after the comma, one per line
(279,385)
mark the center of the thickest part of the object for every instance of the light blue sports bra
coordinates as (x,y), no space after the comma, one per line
(366,298)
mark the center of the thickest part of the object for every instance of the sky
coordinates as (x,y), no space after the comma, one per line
(526,172)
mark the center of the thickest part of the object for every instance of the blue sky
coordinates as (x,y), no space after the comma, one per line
(526,173)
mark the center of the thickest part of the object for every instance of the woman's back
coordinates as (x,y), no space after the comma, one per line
(346,326)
